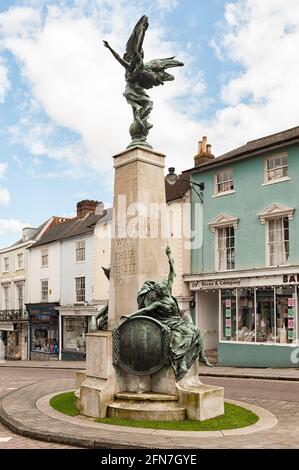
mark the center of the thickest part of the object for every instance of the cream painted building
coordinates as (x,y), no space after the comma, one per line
(179,207)
(101,258)
(14,291)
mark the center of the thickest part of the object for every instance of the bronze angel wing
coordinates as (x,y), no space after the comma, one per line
(134,48)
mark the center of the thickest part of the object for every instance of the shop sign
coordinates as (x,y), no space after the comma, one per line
(6,326)
(215,284)
(290,278)
(10,275)
(254,281)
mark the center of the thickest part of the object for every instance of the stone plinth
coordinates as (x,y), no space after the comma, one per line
(200,401)
(138,239)
(99,386)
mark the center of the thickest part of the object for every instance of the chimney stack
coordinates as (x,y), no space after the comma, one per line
(204,152)
(86,207)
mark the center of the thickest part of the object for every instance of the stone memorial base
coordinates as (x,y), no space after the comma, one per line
(104,390)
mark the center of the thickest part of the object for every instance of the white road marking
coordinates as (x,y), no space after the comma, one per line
(5,439)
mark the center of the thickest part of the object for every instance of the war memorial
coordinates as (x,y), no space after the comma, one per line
(143,353)
(145,364)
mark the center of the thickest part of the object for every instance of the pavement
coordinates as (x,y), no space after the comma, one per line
(14,378)
(291,374)
(29,422)
(45,364)
(233,372)
(26,411)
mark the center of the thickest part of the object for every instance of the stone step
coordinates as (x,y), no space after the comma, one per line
(145,396)
(147,409)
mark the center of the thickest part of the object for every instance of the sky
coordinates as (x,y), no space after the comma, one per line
(63,115)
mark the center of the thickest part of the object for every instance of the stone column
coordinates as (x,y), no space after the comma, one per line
(138,242)
(139,234)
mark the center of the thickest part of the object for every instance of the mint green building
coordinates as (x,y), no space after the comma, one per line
(245,266)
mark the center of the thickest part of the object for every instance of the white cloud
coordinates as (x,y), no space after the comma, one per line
(11,227)
(79,85)
(3,167)
(167,5)
(4,196)
(262,38)
(4,81)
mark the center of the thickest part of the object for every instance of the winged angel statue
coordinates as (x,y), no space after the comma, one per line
(142,76)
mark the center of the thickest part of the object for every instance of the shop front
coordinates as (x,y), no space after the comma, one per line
(254,315)
(14,334)
(74,324)
(44,331)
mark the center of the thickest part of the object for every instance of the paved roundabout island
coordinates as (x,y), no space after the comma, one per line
(27,411)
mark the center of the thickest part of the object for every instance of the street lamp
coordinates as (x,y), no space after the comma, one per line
(172,178)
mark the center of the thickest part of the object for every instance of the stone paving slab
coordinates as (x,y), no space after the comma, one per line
(45,364)
(291,374)
(233,372)
(18,410)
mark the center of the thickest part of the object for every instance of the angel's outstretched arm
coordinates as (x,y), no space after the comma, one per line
(116,55)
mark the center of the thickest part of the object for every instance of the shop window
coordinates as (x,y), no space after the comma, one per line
(80,251)
(80,289)
(276,168)
(74,330)
(265,312)
(45,290)
(228,310)
(246,315)
(278,241)
(45,258)
(226,248)
(224,181)
(285,314)
(44,334)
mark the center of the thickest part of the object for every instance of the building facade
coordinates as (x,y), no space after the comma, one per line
(245,274)
(44,297)
(61,298)
(84,288)
(179,236)
(14,291)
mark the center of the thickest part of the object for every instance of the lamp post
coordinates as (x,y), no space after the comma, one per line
(172,178)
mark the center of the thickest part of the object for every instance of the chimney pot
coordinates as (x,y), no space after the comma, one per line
(204,144)
(204,152)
